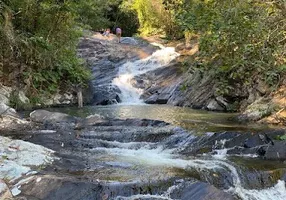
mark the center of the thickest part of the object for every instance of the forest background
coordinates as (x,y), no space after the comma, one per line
(240,41)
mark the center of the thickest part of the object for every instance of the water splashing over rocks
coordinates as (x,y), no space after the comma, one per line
(125,159)
(141,159)
(124,81)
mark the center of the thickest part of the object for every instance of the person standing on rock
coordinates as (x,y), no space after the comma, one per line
(118,32)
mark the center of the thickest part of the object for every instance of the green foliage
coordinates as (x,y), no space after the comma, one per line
(38,45)
(15,102)
(38,40)
(101,14)
(241,40)
(281,137)
(98,14)
(153,17)
(5,157)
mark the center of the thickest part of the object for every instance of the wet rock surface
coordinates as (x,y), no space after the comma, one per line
(165,85)
(170,85)
(265,145)
(104,55)
(160,84)
(101,158)
(106,95)
(198,190)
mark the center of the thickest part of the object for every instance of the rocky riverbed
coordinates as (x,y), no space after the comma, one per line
(104,158)
(169,83)
(52,155)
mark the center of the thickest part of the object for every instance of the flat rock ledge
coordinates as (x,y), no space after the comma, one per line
(19,159)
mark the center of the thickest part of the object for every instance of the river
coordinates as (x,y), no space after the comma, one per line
(153,159)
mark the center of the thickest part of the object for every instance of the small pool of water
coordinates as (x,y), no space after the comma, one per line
(200,120)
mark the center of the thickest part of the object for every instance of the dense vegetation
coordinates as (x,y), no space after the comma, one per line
(38,40)
(240,41)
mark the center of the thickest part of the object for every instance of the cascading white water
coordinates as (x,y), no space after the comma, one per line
(130,94)
(147,155)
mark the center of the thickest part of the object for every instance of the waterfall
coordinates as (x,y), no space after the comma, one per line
(124,81)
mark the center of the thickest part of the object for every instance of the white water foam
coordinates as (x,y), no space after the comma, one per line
(124,81)
(127,145)
(222,152)
(160,157)
(277,192)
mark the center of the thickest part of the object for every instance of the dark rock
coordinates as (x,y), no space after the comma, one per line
(207,143)
(137,122)
(165,86)
(238,140)
(198,191)
(177,98)
(276,151)
(243,151)
(257,179)
(254,141)
(274,134)
(152,99)
(159,84)
(106,95)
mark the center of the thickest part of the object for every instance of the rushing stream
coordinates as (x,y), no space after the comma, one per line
(130,94)
(146,161)
(135,160)
(187,147)
(159,156)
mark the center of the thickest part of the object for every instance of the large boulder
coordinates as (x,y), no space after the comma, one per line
(160,85)
(43,116)
(106,95)
(257,110)
(4,110)
(277,151)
